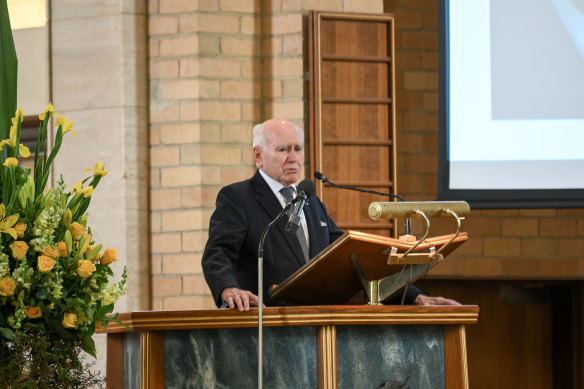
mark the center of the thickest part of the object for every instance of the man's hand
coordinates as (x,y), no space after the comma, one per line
(427,300)
(242,298)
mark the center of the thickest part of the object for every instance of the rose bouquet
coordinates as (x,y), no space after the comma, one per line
(55,279)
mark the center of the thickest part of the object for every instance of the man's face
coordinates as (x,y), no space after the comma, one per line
(283,156)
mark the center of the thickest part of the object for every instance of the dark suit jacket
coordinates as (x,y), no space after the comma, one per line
(242,212)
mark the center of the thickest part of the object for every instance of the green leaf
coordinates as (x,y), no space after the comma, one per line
(8,74)
(57,327)
(6,333)
(88,345)
(41,294)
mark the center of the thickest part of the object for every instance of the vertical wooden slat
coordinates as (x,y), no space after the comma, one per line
(455,366)
(327,357)
(115,361)
(151,359)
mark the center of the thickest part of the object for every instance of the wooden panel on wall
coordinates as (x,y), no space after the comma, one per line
(352,113)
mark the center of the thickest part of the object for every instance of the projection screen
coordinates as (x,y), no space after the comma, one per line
(512,103)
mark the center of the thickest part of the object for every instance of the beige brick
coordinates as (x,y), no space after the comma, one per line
(323,5)
(179,46)
(250,111)
(193,302)
(194,241)
(430,101)
(189,23)
(163,69)
(180,133)
(232,46)
(423,40)
(292,44)
(220,24)
(182,220)
(180,89)
(564,268)
(237,133)
(156,265)
(153,48)
(250,25)
(165,199)
(285,24)
(247,6)
(155,222)
(236,174)
(194,285)
(163,111)
(162,287)
(367,6)
(154,138)
(273,89)
(208,5)
(190,154)
(166,243)
(177,6)
(191,197)
(220,111)
(157,304)
(208,196)
(209,46)
(519,267)
(210,133)
(190,110)
(557,227)
(484,267)
(162,25)
(250,68)
(181,264)
(154,178)
(421,81)
(164,156)
(285,67)
(189,67)
(247,157)
(221,155)
(293,88)
(291,110)
(240,90)
(220,68)
(152,7)
(211,175)
(180,176)
(210,89)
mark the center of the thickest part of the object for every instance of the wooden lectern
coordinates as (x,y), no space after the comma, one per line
(359,261)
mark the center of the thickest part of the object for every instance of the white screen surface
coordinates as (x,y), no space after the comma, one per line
(515,94)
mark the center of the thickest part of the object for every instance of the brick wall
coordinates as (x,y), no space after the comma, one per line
(538,243)
(217,67)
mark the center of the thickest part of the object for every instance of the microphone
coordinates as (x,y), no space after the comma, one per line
(321,177)
(306,189)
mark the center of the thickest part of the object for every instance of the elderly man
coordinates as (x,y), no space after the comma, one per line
(245,208)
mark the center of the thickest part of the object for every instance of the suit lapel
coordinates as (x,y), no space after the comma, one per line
(272,206)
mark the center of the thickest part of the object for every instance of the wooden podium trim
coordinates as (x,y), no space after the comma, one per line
(296,316)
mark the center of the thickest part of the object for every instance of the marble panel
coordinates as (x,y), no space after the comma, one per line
(132,360)
(227,358)
(369,356)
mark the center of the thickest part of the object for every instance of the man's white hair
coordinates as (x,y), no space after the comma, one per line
(259,135)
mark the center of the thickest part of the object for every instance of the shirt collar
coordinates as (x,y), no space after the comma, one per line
(274,185)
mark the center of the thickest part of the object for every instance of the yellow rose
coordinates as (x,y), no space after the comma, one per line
(109,255)
(45,264)
(77,230)
(69,320)
(20,228)
(51,252)
(19,249)
(85,268)
(11,162)
(7,286)
(62,248)
(32,312)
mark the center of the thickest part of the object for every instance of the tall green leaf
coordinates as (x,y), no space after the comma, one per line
(8,72)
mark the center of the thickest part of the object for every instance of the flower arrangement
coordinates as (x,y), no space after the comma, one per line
(55,280)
